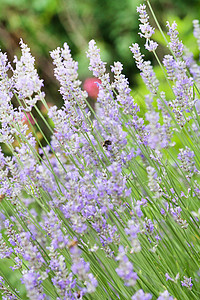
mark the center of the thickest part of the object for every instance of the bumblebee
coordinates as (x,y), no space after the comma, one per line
(72,244)
(2,197)
(106,143)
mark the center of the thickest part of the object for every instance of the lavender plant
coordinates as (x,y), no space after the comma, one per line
(109,208)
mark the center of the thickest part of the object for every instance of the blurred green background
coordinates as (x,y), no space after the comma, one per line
(47,24)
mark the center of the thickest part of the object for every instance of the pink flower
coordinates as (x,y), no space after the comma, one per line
(91,85)
(29,117)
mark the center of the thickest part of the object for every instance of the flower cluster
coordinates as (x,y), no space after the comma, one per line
(125,268)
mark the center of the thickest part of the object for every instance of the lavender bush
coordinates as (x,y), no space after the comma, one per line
(109,209)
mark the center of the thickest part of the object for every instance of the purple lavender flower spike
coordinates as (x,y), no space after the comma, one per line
(141,295)
(175,44)
(66,72)
(187,282)
(63,280)
(168,277)
(183,87)
(125,268)
(132,232)
(157,135)
(67,121)
(96,65)
(194,69)
(32,281)
(81,269)
(146,69)
(187,163)
(146,29)
(197,32)
(165,296)
(121,85)
(107,106)
(5,292)
(26,79)
(170,65)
